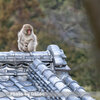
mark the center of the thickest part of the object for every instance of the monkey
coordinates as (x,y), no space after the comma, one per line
(27,40)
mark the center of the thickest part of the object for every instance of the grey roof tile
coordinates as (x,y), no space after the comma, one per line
(66,90)
(54,80)
(26,83)
(22,98)
(60,86)
(57,82)
(4,78)
(39,77)
(7,83)
(20,78)
(48,74)
(74,86)
(19,85)
(2,94)
(68,80)
(39,73)
(37,62)
(63,98)
(47,81)
(13,79)
(72,97)
(40,98)
(54,88)
(54,49)
(5,98)
(30,88)
(12,89)
(42,68)
(1,86)
(80,91)
(87,97)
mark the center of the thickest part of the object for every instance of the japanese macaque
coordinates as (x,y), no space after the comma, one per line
(27,40)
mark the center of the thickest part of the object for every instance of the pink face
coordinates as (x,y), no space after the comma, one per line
(29,31)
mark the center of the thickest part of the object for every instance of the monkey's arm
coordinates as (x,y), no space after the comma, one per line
(32,44)
(20,42)
(35,40)
(35,43)
(20,38)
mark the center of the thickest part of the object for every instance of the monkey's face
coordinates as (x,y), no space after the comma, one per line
(27,29)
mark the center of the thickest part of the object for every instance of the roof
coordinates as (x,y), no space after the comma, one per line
(32,76)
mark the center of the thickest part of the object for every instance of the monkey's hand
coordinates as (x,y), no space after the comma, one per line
(26,45)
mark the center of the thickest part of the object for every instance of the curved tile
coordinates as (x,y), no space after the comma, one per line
(60,86)
(7,83)
(5,98)
(48,74)
(30,88)
(26,83)
(68,80)
(12,89)
(22,98)
(74,86)
(87,97)
(42,68)
(54,80)
(72,97)
(20,78)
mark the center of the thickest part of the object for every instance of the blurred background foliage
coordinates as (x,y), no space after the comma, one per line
(61,22)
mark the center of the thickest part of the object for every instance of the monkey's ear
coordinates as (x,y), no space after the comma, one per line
(23,26)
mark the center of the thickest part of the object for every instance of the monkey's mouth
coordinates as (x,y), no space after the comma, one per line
(29,31)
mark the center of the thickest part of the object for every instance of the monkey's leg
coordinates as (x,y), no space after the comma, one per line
(31,46)
(20,47)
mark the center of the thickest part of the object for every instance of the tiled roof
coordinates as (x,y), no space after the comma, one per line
(36,73)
